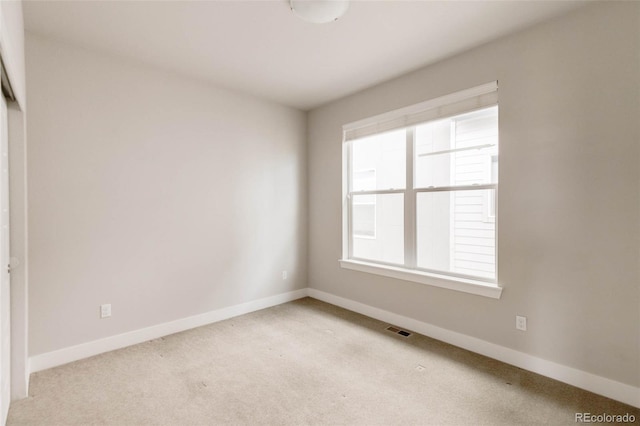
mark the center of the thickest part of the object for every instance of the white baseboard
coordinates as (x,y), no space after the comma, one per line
(581,379)
(85,350)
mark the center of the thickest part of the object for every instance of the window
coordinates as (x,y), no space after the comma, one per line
(384,153)
(420,192)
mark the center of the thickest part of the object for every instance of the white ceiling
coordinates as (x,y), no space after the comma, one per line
(262,48)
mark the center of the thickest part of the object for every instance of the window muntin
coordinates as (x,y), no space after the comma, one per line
(448,195)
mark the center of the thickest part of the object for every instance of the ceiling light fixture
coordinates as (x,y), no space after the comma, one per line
(319,11)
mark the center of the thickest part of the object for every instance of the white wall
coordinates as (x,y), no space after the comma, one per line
(569,204)
(163,196)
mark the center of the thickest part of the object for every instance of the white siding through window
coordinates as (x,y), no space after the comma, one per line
(473,245)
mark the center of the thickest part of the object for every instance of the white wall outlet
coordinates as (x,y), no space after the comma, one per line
(521,323)
(284,275)
(105,310)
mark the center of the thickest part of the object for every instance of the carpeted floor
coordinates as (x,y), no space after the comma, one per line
(304,362)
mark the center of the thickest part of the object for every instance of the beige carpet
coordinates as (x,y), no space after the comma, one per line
(304,362)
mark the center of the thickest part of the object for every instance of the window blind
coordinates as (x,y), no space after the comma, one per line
(445,106)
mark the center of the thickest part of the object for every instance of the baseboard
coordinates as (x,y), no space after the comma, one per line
(581,379)
(96,347)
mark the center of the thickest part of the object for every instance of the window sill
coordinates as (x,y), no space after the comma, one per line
(479,288)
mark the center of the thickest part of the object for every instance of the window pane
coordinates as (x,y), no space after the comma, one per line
(455,233)
(459,150)
(378,227)
(364,214)
(378,162)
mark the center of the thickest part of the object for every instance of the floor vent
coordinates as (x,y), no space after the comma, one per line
(398,331)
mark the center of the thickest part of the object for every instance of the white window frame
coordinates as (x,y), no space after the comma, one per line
(457,103)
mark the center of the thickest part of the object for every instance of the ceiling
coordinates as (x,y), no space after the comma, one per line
(262,48)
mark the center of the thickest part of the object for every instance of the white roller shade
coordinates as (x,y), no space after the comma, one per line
(456,103)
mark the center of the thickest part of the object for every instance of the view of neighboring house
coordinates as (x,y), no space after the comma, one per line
(451,157)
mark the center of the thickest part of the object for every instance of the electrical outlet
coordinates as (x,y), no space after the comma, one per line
(284,275)
(521,323)
(105,310)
